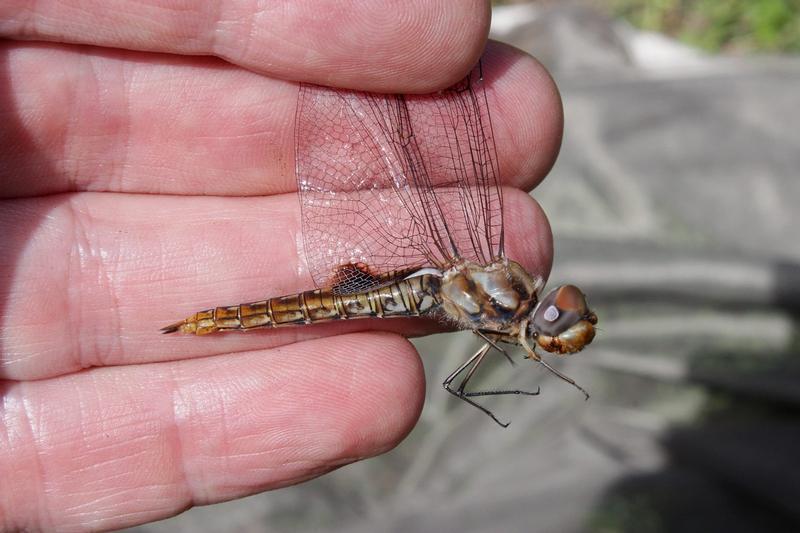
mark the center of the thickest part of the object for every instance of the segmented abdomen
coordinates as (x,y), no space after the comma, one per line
(409,297)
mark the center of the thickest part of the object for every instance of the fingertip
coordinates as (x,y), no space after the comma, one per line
(390,380)
(527,114)
(415,46)
(351,397)
(528,234)
(292,413)
(454,41)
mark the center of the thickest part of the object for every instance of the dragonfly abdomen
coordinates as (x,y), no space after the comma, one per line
(408,297)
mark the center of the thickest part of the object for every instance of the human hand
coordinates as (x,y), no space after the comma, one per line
(137,187)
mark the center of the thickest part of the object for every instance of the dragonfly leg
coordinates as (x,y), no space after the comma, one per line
(565,378)
(473,363)
(491,341)
(531,354)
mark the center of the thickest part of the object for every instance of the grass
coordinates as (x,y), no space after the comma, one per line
(738,26)
(728,26)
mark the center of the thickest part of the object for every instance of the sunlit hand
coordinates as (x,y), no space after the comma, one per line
(138,187)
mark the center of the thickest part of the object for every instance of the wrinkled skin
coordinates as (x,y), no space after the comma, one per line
(136,185)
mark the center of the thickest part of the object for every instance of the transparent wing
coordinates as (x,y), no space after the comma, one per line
(394,182)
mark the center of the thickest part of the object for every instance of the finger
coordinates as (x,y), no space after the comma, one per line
(411,46)
(115,447)
(126,122)
(89,279)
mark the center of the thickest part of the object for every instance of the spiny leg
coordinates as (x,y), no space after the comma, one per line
(482,334)
(565,378)
(536,357)
(463,392)
(475,362)
(479,355)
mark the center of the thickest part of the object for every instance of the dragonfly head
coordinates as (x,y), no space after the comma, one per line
(562,322)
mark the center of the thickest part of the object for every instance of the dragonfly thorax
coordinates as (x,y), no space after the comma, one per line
(494,297)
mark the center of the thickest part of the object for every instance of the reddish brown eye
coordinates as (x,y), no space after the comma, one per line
(562,308)
(570,298)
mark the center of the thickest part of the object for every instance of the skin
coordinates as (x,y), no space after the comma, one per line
(137,187)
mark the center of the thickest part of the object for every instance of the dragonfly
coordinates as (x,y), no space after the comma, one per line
(402,215)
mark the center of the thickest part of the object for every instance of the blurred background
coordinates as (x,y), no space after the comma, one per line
(673,207)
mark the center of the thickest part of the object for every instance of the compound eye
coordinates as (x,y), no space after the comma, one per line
(562,308)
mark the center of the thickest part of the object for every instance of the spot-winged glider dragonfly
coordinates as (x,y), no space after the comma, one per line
(402,214)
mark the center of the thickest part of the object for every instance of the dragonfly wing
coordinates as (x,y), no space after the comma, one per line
(394,182)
